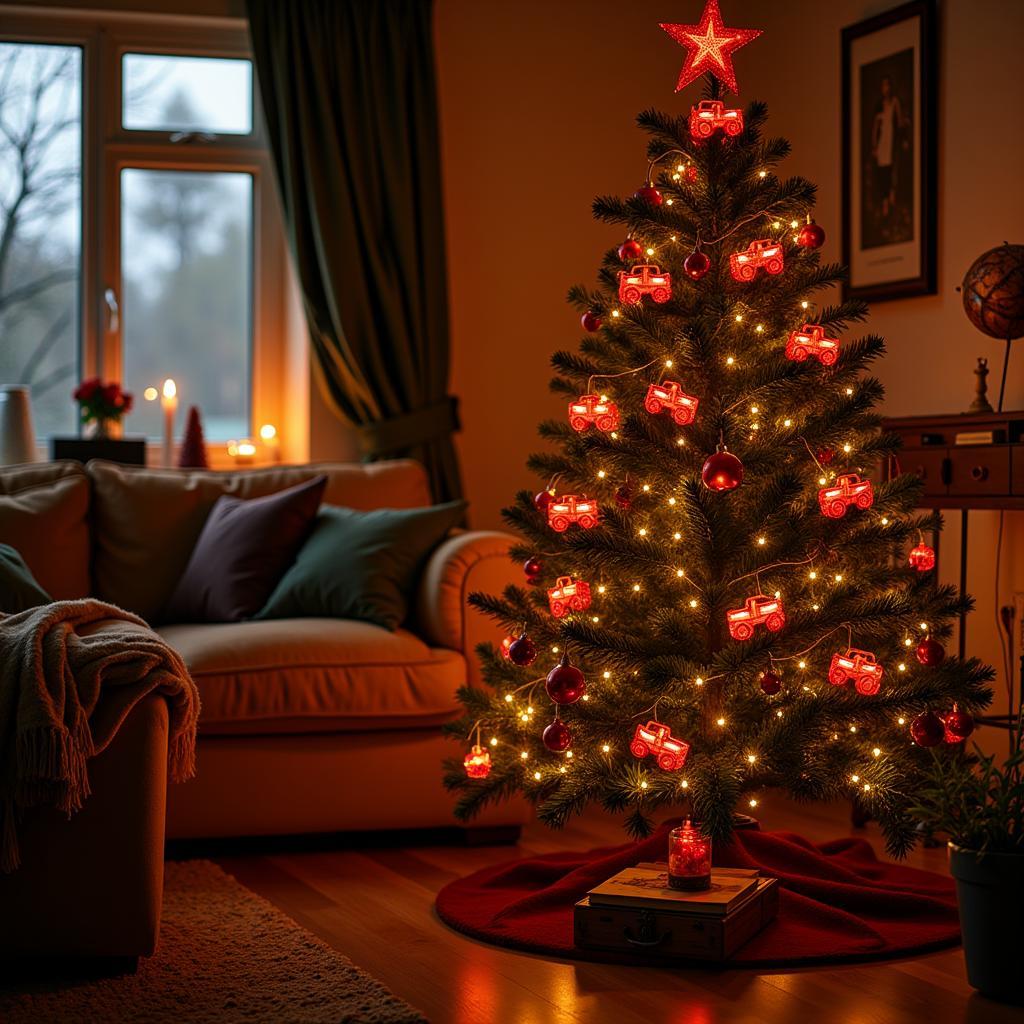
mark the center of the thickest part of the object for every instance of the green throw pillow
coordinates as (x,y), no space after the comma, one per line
(361,565)
(18,587)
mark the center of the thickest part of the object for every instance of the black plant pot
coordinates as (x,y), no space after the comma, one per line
(130,451)
(990,892)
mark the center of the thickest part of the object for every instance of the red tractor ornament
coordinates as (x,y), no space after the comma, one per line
(572,508)
(593,409)
(764,254)
(644,279)
(669,394)
(568,595)
(657,739)
(809,341)
(757,610)
(860,666)
(849,489)
(710,115)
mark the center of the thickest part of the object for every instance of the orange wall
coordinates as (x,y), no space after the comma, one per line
(537,103)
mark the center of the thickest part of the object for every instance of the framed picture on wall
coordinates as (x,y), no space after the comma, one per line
(890,123)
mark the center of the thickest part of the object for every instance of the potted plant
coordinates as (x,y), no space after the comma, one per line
(979,805)
(101,408)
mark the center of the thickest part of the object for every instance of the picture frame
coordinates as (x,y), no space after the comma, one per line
(890,154)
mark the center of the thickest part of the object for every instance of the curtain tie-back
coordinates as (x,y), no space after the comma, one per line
(410,428)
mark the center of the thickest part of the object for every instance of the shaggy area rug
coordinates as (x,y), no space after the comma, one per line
(226,955)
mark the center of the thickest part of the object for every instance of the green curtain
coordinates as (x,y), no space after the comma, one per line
(350,106)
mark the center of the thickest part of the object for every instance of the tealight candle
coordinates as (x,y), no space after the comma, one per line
(169,403)
(689,859)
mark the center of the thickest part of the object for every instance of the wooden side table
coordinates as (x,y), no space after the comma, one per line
(987,476)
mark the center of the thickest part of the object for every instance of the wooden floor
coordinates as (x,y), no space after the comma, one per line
(374,903)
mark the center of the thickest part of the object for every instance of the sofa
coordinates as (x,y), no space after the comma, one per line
(307,725)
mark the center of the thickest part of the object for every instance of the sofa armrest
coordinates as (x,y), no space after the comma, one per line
(465,562)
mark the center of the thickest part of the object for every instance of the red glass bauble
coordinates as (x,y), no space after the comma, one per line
(590,321)
(959,725)
(770,683)
(825,455)
(811,236)
(691,173)
(542,499)
(649,194)
(565,683)
(630,251)
(557,736)
(927,730)
(533,567)
(624,497)
(722,471)
(696,265)
(522,652)
(930,652)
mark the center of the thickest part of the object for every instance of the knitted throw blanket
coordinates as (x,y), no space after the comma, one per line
(64,692)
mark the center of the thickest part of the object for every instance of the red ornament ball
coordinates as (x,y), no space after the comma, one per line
(624,497)
(630,251)
(692,173)
(930,652)
(927,730)
(522,652)
(811,236)
(825,455)
(557,736)
(648,194)
(722,471)
(696,265)
(565,683)
(770,683)
(542,499)
(533,567)
(590,321)
(959,725)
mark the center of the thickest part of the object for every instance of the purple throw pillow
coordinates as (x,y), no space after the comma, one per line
(245,548)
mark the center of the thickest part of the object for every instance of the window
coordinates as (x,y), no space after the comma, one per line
(40,225)
(165,258)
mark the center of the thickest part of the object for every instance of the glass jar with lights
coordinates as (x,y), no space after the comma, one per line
(689,859)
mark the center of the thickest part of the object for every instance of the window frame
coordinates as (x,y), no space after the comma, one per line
(108,148)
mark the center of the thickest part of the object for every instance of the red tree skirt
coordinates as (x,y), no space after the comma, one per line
(837,900)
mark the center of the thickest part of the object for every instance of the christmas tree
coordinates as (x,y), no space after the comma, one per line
(193,447)
(727,588)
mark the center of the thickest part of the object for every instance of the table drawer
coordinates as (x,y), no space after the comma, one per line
(927,463)
(982,470)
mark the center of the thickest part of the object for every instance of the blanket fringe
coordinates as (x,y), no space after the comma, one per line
(181,757)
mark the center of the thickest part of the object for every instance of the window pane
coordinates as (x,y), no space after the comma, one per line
(41,226)
(182,94)
(186,268)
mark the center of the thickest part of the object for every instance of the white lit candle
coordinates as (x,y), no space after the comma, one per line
(169,403)
(271,441)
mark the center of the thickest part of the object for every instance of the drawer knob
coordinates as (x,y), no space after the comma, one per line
(979,473)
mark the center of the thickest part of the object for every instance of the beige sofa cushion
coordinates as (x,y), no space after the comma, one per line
(315,675)
(147,521)
(44,515)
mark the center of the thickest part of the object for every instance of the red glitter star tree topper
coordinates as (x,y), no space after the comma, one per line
(709,45)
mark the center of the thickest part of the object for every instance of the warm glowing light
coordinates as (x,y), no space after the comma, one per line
(804,304)
(794,223)
(680,573)
(739,318)
(751,758)
(787,423)
(636,586)
(650,251)
(730,361)
(508,698)
(671,501)
(684,784)
(755,409)
(677,535)
(150,394)
(268,432)
(901,720)
(693,602)
(812,575)
(822,481)
(720,721)
(643,785)
(847,448)
(601,474)
(849,391)
(494,741)
(170,388)
(606,674)
(908,642)
(536,775)
(762,174)
(753,802)
(877,751)
(643,531)
(855,778)
(523,754)
(606,748)
(902,666)
(647,488)
(761,541)
(601,589)
(759,328)
(801,664)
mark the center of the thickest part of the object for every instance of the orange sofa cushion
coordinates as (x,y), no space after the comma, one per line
(147,521)
(315,675)
(44,516)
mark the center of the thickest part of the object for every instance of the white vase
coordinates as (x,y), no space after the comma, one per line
(17,438)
